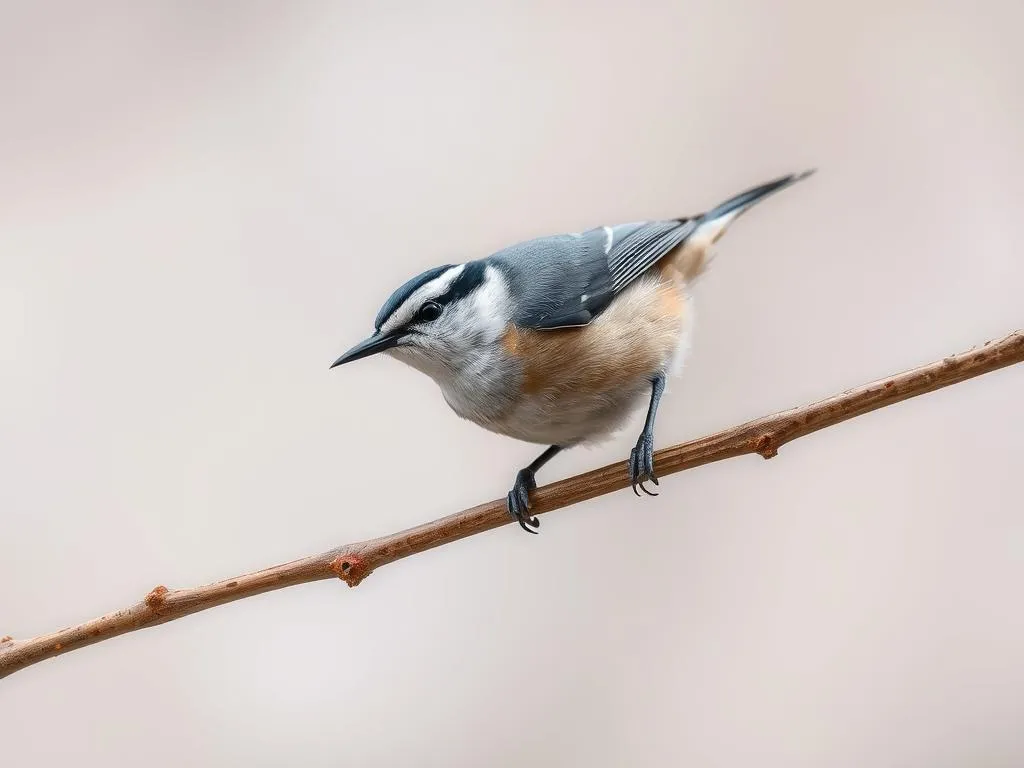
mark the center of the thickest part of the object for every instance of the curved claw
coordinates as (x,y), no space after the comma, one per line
(518,502)
(641,466)
(518,511)
(526,523)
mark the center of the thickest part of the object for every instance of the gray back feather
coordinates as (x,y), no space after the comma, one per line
(568,280)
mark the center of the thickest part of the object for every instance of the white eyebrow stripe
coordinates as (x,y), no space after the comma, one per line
(404,312)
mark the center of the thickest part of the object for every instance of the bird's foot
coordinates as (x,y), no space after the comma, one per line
(519,501)
(641,464)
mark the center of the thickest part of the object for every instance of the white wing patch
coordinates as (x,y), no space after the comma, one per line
(609,237)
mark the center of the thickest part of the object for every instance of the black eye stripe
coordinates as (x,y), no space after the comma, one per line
(468,280)
(471,278)
(405,291)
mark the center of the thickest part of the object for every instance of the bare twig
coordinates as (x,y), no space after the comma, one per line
(354,562)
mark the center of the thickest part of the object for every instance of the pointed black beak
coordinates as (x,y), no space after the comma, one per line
(373,345)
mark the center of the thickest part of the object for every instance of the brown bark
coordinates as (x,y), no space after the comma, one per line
(354,562)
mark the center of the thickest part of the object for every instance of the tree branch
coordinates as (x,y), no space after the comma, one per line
(354,562)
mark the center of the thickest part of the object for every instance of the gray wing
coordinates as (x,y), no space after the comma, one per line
(568,280)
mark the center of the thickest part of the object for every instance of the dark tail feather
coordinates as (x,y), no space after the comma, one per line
(745,200)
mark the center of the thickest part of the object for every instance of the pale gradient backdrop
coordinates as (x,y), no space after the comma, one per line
(203,204)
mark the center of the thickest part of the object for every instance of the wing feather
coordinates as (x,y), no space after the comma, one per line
(568,280)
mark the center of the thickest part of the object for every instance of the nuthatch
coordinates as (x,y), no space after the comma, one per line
(559,339)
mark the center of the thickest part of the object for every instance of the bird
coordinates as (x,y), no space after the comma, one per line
(559,340)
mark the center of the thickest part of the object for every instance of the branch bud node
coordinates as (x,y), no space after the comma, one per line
(351,569)
(155,598)
(765,445)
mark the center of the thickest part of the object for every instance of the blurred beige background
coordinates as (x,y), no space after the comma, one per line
(203,204)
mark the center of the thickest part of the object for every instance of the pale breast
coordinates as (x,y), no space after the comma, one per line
(580,384)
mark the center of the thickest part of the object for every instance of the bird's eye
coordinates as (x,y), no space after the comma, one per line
(430,311)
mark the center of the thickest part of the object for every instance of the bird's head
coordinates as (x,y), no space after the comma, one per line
(436,320)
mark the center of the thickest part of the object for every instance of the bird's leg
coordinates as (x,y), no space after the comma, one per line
(641,459)
(526,481)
